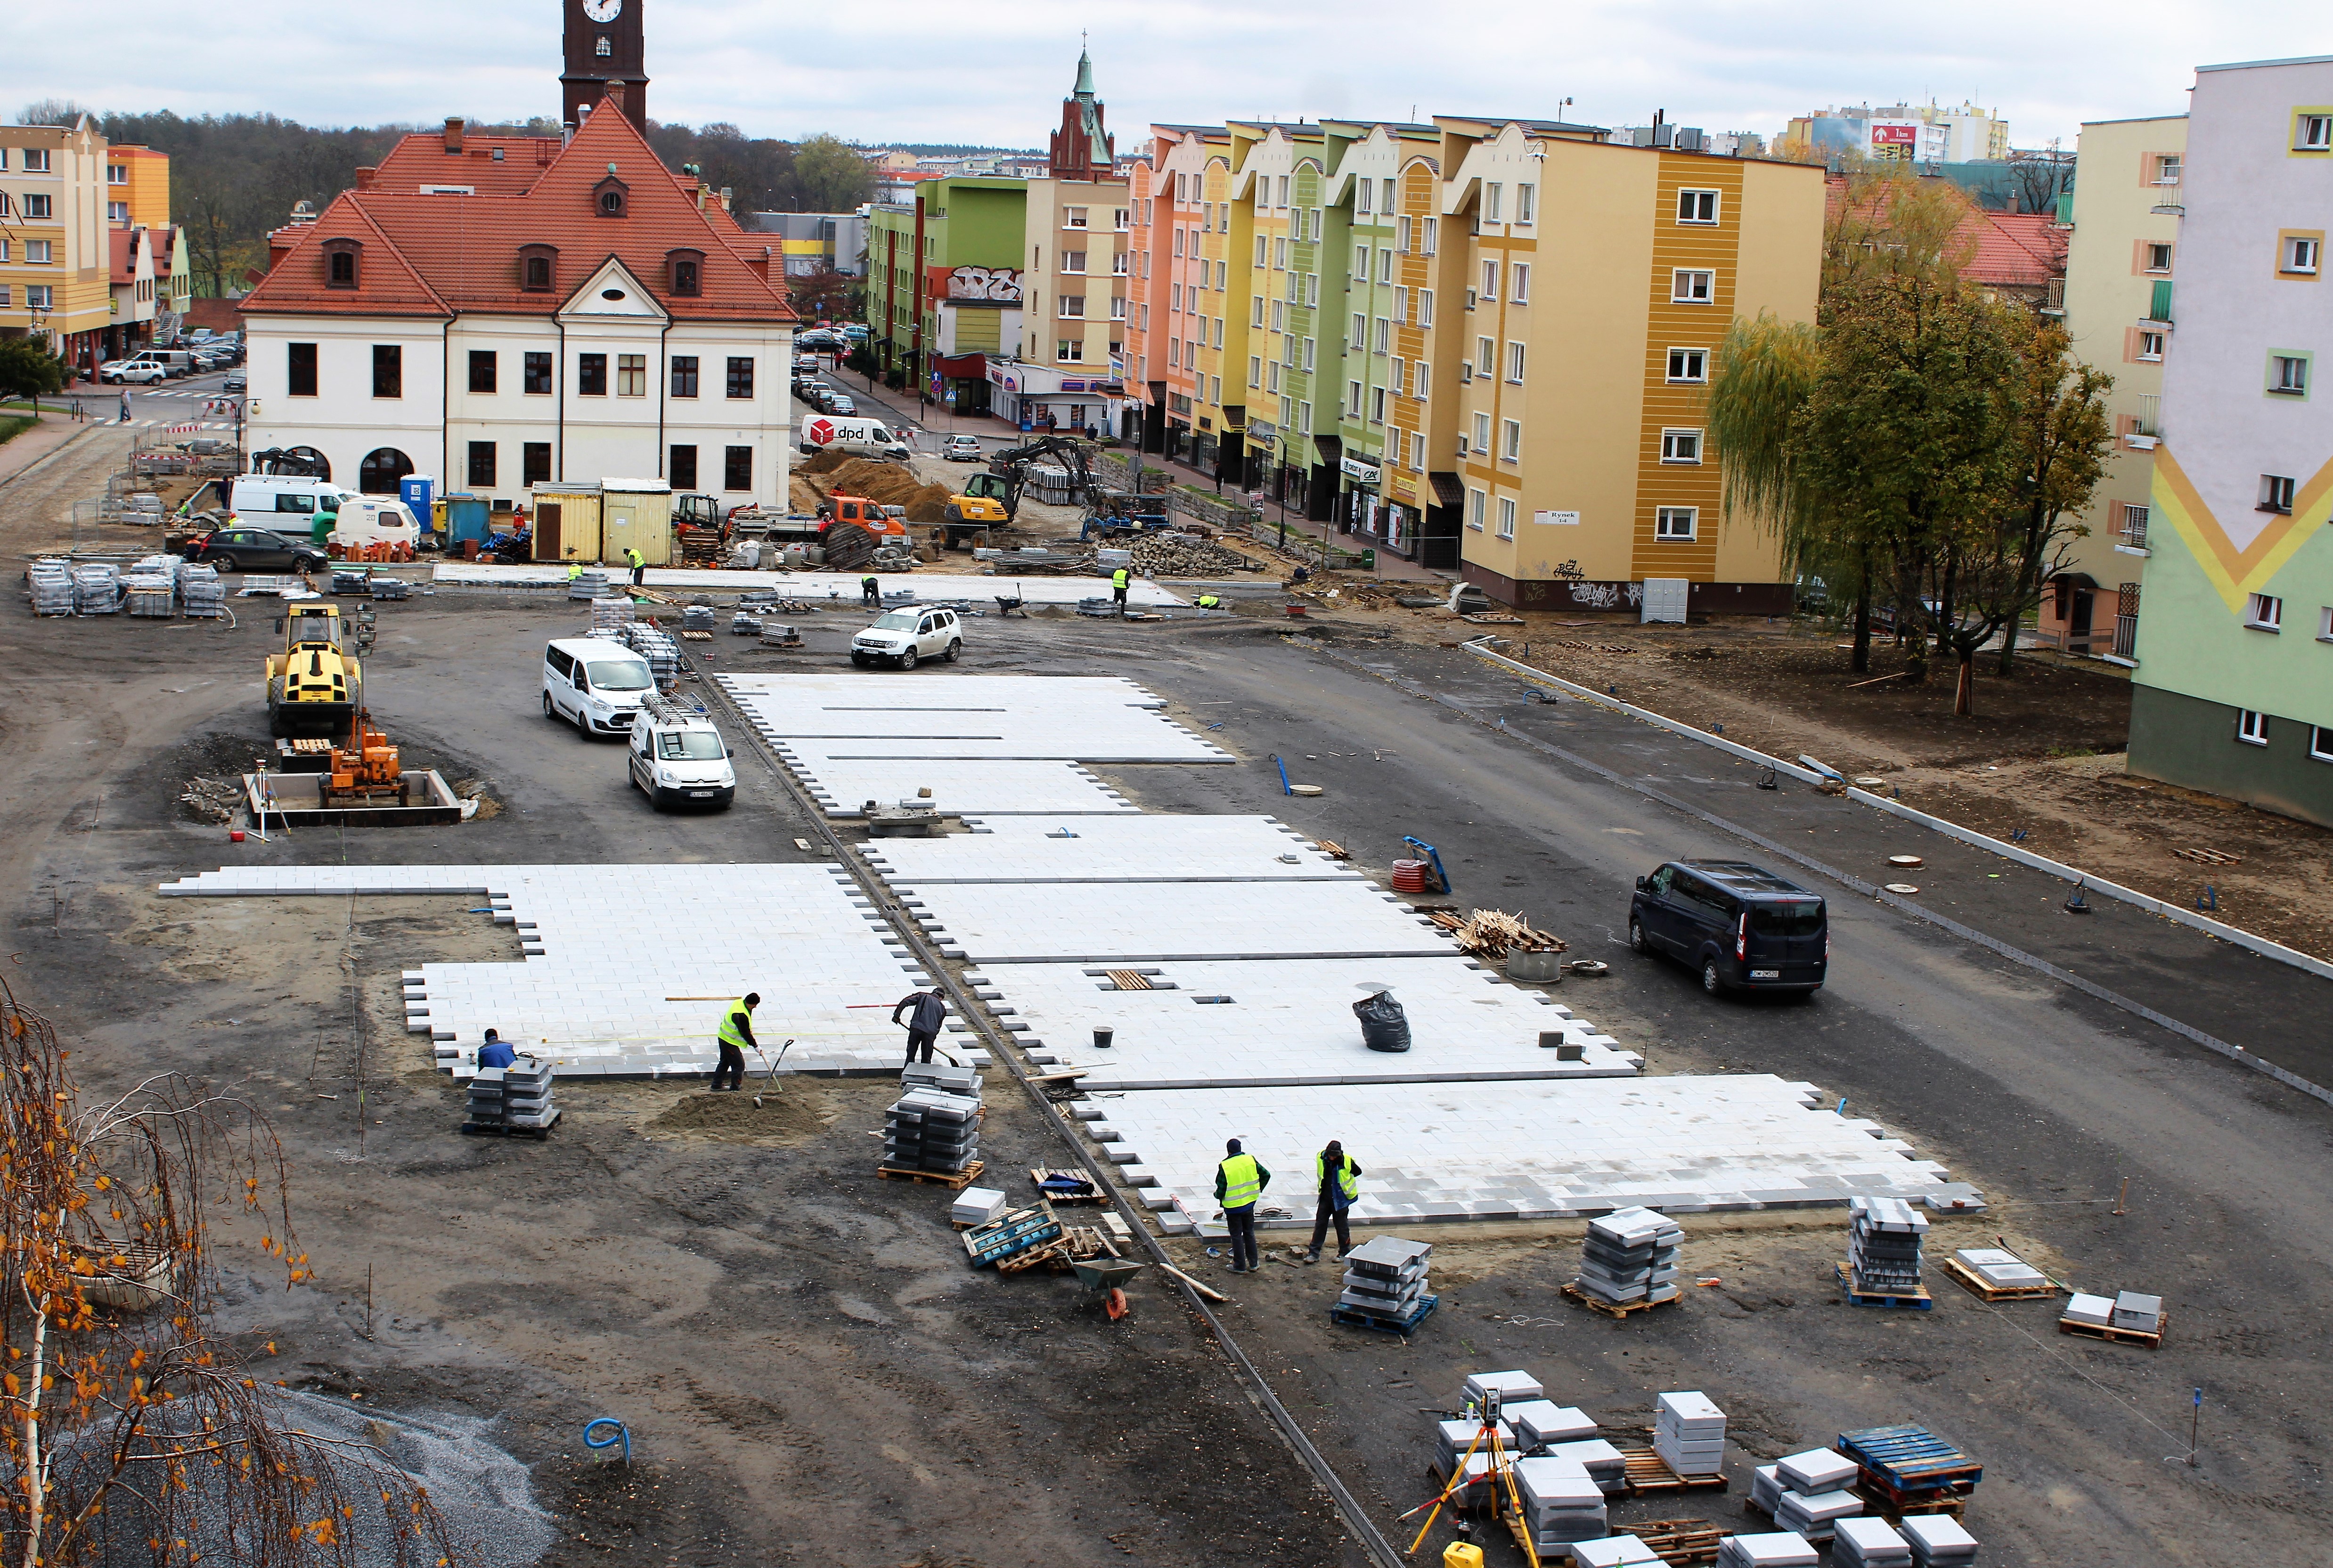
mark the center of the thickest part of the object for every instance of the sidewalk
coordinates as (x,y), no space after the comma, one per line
(50,434)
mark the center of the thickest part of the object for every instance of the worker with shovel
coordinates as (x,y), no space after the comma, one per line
(924,1023)
(736,1036)
(1339,1182)
(639,564)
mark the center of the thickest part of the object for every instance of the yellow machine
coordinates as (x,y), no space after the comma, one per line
(312,684)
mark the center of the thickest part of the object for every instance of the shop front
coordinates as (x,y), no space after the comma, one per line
(1044,399)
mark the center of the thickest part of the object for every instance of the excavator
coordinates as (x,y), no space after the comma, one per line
(312,683)
(993,499)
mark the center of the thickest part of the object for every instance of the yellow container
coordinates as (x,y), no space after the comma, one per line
(1461,1554)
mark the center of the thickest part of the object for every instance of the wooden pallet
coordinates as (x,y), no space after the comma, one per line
(1618,1310)
(1680,1543)
(1353,1318)
(954,1180)
(1021,1262)
(2117,1336)
(1129,979)
(2204,857)
(1648,1472)
(1037,1174)
(1976,1283)
(1915,1300)
(1894,1505)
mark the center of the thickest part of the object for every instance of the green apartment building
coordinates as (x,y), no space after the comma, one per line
(944,282)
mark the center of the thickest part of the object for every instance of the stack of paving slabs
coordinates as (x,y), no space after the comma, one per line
(1615,1552)
(202,591)
(932,1130)
(527,1094)
(608,614)
(657,648)
(1812,1514)
(1938,1539)
(1816,1471)
(745,624)
(1538,1423)
(485,1101)
(1868,1544)
(977,1206)
(696,617)
(946,1076)
(1606,1465)
(2002,1270)
(97,588)
(591,585)
(1561,1503)
(1630,1255)
(1778,1549)
(1766,1489)
(2143,1314)
(1689,1434)
(1513,1387)
(2097,1311)
(53,586)
(151,588)
(1384,1277)
(1883,1246)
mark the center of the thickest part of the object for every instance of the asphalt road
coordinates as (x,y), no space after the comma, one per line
(164,406)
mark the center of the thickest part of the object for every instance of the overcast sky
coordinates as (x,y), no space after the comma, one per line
(921,70)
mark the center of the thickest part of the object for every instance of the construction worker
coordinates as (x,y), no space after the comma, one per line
(494,1052)
(870,592)
(1239,1182)
(1211,601)
(924,1023)
(574,569)
(736,1037)
(640,565)
(1119,580)
(1339,1181)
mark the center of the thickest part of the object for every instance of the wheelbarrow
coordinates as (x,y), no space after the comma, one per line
(1104,1276)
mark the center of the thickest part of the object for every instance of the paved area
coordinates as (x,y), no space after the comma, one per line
(840,588)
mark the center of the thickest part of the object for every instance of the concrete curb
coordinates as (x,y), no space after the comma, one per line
(53,453)
(2086,881)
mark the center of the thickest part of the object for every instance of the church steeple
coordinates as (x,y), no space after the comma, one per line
(1081,148)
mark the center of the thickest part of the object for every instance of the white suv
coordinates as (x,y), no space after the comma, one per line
(904,638)
(145,372)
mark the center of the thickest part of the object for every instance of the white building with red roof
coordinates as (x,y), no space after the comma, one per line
(510,314)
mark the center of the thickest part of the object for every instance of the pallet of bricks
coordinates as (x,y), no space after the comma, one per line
(931,1131)
(1882,1255)
(517,1099)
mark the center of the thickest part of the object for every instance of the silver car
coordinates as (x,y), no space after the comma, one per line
(908,636)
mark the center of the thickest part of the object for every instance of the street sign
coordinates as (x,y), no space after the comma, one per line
(1361,469)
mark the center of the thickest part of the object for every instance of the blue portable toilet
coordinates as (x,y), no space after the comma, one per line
(466,517)
(416,491)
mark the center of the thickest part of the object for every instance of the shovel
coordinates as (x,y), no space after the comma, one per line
(770,1085)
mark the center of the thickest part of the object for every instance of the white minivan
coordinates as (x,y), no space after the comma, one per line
(678,758)
(255,497)
(594,683)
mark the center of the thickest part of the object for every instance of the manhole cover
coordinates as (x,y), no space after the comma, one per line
(1901,887)
(1906,862)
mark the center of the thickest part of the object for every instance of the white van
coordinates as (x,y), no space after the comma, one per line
(375,520)
(595,684)
(255,497)
(678,758)
(856,438)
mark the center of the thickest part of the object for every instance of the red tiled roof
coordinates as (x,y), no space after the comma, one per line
(422,160)
(443,254)
(2014,250)
(123,244)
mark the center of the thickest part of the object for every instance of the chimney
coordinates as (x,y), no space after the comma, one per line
(613,93)
(454,133)
(365,173)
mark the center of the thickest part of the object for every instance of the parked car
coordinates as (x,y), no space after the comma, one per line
(906,638)
(678,758)
(256,549)
(1743,927)
(235,382)
(141,372)
(843,404)
(962,449)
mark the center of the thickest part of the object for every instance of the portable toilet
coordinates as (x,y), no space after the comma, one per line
(567,518)
(466,519)
(636,514)
(416,490)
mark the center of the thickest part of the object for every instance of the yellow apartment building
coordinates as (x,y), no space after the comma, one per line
(56,251)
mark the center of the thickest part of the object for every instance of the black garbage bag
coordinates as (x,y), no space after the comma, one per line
(1384,1025)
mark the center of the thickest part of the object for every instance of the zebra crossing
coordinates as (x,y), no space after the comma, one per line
(188,423)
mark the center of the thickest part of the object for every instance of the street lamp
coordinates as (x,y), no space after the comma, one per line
(1280,482)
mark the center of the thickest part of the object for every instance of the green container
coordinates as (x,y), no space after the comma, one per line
(1369,560)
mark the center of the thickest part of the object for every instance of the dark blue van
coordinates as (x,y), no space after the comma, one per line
(1743,927)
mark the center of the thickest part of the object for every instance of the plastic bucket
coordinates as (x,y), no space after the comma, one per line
(1102,1039)
(235,835)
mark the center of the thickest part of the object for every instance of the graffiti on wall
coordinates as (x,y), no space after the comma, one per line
(985,283)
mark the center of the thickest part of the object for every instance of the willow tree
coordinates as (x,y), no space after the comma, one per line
(1884,222)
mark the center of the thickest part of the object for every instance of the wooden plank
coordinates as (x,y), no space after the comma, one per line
(1620,1309)
(1127,979)
(1210,1291)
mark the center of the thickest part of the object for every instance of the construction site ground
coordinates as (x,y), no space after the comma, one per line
(810,1372)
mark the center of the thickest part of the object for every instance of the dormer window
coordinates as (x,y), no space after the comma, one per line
(685,272)
(609,196)
(340,263)
(538,268)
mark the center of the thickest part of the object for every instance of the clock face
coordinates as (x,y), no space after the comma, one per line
(603,10)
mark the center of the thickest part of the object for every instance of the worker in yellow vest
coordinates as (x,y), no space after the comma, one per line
(640,565)
(736,1036)
(1210,601)
(1240,1181)
(1339,1181)
(1118,582)
(574,569)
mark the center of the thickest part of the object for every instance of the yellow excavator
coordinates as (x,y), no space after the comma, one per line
(313,684)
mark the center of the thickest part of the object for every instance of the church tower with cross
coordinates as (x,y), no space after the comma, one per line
(1081,148)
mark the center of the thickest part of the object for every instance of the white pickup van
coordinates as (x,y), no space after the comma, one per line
(678,758)
(595,684)
(856,438)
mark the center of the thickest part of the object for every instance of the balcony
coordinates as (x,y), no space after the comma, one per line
(2170,198)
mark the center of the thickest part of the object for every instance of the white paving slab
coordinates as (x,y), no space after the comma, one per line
(1141,848)
(1529,1149)
(966,785)
(1072,718)
(840,586)
(1039,923)
(1285,1022)
(612,986)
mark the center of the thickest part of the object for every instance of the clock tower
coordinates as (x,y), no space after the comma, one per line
(604,44)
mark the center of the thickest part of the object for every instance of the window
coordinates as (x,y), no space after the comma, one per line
(1121,218)
(2166,167)
(534,458)
(1675,524)
(1255,370)
(1417,451)
(300,369)
(1073,218)
(1385,266)
(1475,504)
(2325,623)
(1511,441)
(1178,241)
(2312,133)
(1383,336)
(1688,365)
(1071,350)
(117,211)
(2150,346)
(1279,253)
(1359,336)
(683,375)
(1506,517)
(683,468)
(482,464)
(1422,374)
(2321,743)
(687,273)
(1492,194)
(1122,265)
(2287,374)
(36,207)
(36,161)
(631,375)
(1279,315)
(1483,434)
(603,49)
(2158,256)
(741,386)
(1515,363)
(1394,377)
(387,371)
(1308,346)
(39,297)
(1217,397)
(1521,293)
(1376,405)
(1361,263)
(1489,289)
(1433,234)
(1070,307)
(1073,260)
(1281,199)
(2301,252)
(1117,308)
(482,369)
(1692,288)
(1425,307)
(1401,235)
(381,469)
(1386,205)
(2264,613)
(1287,412)
(2275,493)
(1680,446)
(1696,207)
(2251,728)
(736,468)
(1526,203)
(591,375)
(537,375)
(37,252)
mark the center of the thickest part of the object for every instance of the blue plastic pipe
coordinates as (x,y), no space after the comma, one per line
(623,1436)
